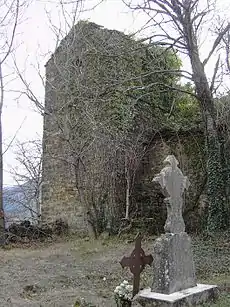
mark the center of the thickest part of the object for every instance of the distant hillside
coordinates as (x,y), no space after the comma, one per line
(19,203)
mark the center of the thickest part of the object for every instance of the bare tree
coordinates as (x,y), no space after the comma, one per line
(28,176)
(9,16)
(226,41)
(177,25)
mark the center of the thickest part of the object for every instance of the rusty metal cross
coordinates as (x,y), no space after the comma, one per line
(136,263)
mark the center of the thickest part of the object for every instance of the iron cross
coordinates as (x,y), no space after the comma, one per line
(136,263)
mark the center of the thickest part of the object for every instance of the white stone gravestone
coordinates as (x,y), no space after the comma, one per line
(174,281)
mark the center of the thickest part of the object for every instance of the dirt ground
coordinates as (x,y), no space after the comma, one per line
(59,274)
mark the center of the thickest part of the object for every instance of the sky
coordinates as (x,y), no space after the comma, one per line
(35,42)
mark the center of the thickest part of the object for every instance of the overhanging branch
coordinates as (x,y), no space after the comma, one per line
(174,88)
(214,74)
(216,43)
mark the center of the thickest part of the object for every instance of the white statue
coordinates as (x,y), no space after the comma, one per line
(173,182)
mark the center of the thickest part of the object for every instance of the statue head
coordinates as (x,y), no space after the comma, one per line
(171,160)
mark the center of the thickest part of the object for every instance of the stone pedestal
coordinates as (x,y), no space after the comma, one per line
(190,297)
(174,282)
(173,263)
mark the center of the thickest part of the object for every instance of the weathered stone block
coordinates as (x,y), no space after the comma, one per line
(173,263)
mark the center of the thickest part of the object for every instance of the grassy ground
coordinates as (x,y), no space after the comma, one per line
(59,274)
(212,258)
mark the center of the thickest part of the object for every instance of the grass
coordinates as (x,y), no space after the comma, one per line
(73,265)
(223,301)
(223,282)
(212,261)
(211,255)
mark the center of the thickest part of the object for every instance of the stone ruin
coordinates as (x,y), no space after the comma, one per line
(82,49)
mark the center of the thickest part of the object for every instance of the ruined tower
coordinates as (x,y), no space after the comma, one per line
(85,80)
(105,128)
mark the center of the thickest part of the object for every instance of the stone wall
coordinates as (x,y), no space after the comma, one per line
(81,80)
(189,149)
(83,87)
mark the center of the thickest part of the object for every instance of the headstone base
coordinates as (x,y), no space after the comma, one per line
(189,297)
(173,264)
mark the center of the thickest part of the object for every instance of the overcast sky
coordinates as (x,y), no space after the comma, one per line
(34,43)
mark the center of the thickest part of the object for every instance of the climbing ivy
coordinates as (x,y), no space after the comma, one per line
(217,216)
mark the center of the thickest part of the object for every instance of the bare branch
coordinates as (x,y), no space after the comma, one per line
(214,74)
(227,50)
(13,33)
(14,137)
(28,91)
(166,86)
(216,43)
(1,89)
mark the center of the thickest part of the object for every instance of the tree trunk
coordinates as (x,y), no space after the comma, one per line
(2,219)
(216,185)
(127,196)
